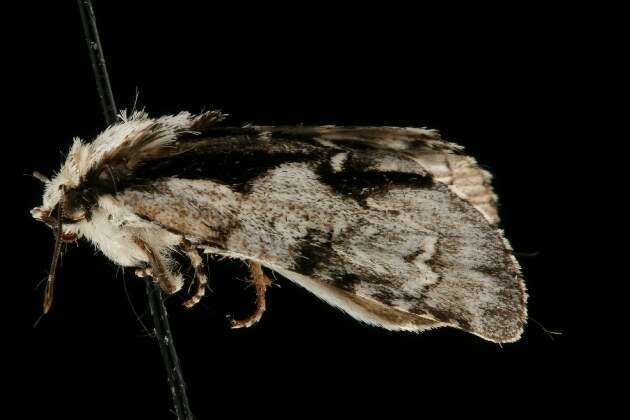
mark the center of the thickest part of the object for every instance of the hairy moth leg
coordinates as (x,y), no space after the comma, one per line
(157,268)
(261,281)
(201,279)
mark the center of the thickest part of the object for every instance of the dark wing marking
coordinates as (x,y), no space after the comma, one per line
(444,160)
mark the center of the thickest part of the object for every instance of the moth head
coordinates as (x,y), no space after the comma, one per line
(60,204)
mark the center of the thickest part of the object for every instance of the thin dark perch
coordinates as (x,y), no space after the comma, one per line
(99,67)
(154,294)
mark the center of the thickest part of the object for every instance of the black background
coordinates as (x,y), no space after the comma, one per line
(528,90)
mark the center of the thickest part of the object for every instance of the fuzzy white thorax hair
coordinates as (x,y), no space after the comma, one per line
(83,157)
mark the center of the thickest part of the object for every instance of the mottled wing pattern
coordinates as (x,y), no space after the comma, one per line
(392,225)
(445,161)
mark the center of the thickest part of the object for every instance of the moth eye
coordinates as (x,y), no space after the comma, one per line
(74,207)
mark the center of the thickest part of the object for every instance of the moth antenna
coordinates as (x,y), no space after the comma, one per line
(40,176)
(48,295)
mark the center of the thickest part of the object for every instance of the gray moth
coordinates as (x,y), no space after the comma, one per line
(394,226)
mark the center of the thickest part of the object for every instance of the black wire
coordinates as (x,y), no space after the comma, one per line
(99,67)
(154,294)
(167,349)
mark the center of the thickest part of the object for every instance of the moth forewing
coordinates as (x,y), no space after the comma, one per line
(392,225)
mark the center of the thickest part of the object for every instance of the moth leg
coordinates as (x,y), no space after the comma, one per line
(200,280)
(157,268)
(261,281)
(143,272)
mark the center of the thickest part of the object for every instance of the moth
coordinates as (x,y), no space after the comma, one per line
(394,226)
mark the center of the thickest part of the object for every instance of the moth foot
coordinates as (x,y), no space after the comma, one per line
(144,272)
(200,280)
(260,281)
(192,301)
(247,322)
(158,268)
